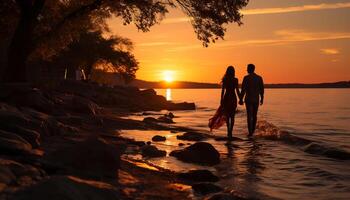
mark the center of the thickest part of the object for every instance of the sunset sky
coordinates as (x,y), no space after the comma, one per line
(289,41)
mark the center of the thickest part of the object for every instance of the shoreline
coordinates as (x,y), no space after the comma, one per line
(65,139)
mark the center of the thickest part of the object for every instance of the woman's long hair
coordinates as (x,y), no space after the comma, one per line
(229,75)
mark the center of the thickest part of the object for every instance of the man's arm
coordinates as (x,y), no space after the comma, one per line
(244,88)
(262,91)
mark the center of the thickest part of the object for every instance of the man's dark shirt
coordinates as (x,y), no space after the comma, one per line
(252,87)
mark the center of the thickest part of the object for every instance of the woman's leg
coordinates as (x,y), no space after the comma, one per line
(232,124)
(229,127)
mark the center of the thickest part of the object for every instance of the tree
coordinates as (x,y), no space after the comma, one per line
(46,23)
(92,51)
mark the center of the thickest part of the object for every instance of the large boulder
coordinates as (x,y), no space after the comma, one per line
(90,158)
(68,187)
(191,136)
(26,95)
(198,176)
(152,151)
(11,143)
(79,104)
(200,153)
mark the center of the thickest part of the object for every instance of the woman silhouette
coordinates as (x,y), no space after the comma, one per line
(228,100)
(228,103)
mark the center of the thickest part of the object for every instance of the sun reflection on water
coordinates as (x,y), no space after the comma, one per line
(168,94)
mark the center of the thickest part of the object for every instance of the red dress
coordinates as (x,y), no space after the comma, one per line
(228,107)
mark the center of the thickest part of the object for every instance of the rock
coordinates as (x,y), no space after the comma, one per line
(148,92)
(170,115)
(199,176)
(31,136)
(200,153)
(68,187)
(150,120)
(11,143)
(90,158)
(181,106)
(158,138)
(165,119)
(191,136)
(152,151)
(80,104)
(17,169)
(206,188)
(25,95)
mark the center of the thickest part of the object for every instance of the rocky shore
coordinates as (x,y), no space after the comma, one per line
(62,142)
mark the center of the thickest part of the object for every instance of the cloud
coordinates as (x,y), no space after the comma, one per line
(281,10)
(330,51)
(152,44)
(284,37)
(323,6)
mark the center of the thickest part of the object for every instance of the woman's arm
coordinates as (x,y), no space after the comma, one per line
(237,89)
(222,94)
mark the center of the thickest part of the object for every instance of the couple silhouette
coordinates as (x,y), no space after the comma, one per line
(251,94)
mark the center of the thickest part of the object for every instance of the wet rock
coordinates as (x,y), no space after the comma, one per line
(11,143)
(170,115)
(150,120)
(152,151)
(91,158)
(200,153)
(165,119)
(206,188)
(199,176)
(191,136)
(181,144)
(181,106)
(158,138)
(68,187)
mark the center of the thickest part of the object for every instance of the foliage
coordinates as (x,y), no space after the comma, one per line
(40,29)
(93,51)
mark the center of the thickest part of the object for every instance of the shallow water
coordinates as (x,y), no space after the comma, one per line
(280,168)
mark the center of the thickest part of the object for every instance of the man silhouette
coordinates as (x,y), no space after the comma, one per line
(252,88)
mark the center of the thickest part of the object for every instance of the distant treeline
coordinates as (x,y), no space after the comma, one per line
(185,84)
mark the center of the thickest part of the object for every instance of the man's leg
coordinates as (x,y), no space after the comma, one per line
(249,117)
(255,108)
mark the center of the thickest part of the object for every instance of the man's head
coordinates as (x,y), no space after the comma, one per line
(251,68)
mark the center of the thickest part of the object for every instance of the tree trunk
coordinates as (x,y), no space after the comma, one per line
(21,43)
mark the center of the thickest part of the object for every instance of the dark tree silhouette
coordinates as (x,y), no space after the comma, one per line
(44,27)
(94,51)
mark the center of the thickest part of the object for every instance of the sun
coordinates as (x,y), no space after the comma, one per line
(168,76)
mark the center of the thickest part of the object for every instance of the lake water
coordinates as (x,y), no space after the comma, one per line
(282,168)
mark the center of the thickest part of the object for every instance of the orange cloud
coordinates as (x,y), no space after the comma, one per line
(330,51)
(284,37)
(281,10)
(323,6)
